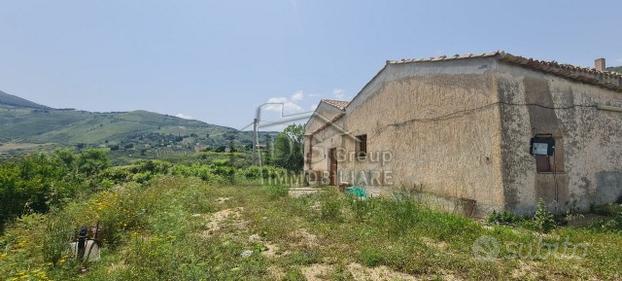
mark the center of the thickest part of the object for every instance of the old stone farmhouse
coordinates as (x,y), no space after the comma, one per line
(476,133)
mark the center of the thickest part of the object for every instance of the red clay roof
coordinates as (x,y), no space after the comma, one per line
(607,79)
(341,105)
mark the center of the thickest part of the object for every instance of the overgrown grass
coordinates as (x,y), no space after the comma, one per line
(156,231)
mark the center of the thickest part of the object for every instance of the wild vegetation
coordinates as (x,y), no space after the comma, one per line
(216,216)
(184,228)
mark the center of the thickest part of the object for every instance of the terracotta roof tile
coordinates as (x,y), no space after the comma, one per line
(607,79)
(341,105)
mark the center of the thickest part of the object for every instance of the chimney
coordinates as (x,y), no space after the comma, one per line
(599,64)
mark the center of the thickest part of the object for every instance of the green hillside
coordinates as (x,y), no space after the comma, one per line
(22,121)
(8,100)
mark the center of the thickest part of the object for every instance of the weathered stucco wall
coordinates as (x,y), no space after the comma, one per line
(316,145)
(588,140)
(328,138)
(440,126)
(462,129)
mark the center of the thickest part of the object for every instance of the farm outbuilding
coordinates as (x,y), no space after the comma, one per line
(476,133)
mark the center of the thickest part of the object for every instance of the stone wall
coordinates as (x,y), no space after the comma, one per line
(460,131)
(440,125)
(588,141)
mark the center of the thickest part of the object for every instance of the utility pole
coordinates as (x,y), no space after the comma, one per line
(256,148)
(254,136)
(256,145)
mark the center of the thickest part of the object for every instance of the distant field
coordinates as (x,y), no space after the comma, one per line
(13,147)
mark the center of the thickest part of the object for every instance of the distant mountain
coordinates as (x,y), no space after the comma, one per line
(23,121)
(616,69)
(11,100)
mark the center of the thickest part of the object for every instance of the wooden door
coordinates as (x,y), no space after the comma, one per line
(332,165)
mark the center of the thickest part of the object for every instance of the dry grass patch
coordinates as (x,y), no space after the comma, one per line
(317,272)
(220,219)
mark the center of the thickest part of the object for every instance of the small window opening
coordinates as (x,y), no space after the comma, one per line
(547,151)
(361,146)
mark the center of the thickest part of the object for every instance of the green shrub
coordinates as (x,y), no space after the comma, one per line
(543,220)
(252,172)
(503,218)
(615,223)
(606,209)
(142,177)
(39,182)
(117,174)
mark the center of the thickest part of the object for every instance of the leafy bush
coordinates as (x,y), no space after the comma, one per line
(615,223)
(288,148)
(252,172)
(614,220)
(543,220)
(503,218)
(607,209)
(40,182)
(204,172)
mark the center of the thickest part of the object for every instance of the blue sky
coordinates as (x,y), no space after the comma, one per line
(216,60)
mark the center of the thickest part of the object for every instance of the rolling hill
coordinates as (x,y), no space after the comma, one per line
(15,101)
(23,121)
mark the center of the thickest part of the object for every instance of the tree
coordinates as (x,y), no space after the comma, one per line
(288,148)
(92,161)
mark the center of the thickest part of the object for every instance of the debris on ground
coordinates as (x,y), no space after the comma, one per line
(221,200)
(302,191)
(246,253)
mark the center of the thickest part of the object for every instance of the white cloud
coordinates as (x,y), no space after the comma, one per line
(339,94)
(184,116)
(298,96)
(283,104)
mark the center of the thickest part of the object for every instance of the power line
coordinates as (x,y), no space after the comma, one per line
(460,113)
